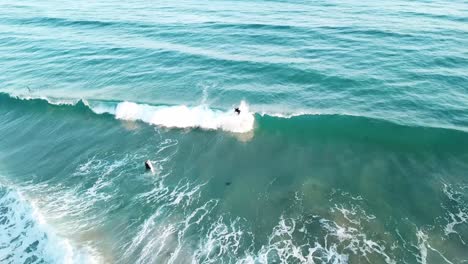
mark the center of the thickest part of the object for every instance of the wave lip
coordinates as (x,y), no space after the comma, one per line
(182,116)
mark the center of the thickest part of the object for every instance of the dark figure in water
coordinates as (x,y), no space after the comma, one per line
(149,166)
(237,110)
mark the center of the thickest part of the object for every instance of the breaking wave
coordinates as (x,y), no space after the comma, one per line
(182,116)
(302,126)
(179,116)
(27,238)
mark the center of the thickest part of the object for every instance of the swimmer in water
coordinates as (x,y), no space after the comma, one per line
(149,166)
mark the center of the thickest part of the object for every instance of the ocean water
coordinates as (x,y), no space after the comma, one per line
(351,145)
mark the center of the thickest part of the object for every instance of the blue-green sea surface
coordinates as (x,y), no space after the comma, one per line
(351,145)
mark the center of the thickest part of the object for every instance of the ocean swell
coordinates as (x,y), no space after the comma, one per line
(300,127)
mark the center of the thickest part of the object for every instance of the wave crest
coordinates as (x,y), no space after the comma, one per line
(182,116)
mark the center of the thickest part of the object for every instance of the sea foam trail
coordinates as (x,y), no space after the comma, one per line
(182,116)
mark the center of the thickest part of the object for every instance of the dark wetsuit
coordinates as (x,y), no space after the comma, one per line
(148,165)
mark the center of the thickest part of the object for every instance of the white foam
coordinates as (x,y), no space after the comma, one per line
(422,242)
(167,235)
(283,246)
(423,246)
(355,240)
(182,116)
(223,240)
(27,238)
(457,212)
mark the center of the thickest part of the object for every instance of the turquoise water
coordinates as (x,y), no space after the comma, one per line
(351,145)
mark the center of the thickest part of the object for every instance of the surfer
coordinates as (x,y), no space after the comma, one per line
(149,166)
(237,110)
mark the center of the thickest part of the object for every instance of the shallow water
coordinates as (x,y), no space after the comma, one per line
(351,145)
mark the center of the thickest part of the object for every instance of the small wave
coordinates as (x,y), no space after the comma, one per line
(26,237)
(48,99)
